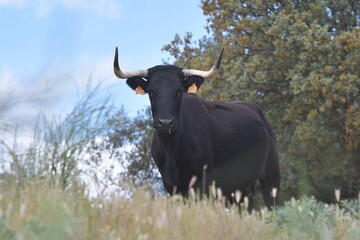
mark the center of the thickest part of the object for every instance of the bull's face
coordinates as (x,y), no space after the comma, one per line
(165,85)
(165,91)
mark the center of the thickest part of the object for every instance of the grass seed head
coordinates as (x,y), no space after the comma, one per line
(213,190)
(237,196)
(263,212)
(274,192)
(246,202)
(337,194)
(219,193)
(174,190)
(192,193)
(192,181)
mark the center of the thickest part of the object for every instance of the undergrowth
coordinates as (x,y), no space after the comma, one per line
(40,209)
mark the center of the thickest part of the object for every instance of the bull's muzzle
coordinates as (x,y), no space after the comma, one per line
(165,125)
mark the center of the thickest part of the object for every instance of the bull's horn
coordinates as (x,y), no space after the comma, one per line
(205,74)
(121,74)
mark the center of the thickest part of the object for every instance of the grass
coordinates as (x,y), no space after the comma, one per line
(41,210)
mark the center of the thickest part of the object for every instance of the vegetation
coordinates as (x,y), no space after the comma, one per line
(36,204)
(140,168)
(43,210)
(40,202)
(42,199)
(298,60)
(64,149)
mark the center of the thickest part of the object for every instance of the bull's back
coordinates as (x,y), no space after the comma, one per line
(240,143)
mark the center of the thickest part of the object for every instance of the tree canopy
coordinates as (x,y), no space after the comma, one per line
(300,61)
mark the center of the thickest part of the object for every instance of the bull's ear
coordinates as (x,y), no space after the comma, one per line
(138,84)
(192,83)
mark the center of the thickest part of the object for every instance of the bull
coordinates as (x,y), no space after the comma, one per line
(233,139)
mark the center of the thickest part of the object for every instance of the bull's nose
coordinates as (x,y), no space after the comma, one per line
(165,122)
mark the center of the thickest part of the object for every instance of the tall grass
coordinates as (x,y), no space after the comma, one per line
(40,210)
(60,148)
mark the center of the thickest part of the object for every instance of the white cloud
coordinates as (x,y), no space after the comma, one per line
(12,3)
(107,8)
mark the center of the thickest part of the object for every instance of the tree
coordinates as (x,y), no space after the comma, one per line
(134,135)
(141,168)
(298,60)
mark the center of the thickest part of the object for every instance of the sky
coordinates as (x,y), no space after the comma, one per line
(50,49)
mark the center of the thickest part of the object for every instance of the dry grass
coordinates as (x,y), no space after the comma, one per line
(39,210)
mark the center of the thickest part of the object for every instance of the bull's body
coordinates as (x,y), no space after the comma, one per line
(233,139)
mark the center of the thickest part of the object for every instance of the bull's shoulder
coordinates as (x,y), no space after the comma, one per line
(247,105)
(236,109)
(236,106)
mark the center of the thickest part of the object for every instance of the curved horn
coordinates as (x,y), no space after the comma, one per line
(121,74)
(205,74)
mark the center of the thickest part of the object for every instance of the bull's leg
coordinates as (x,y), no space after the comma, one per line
(271,178)
(251,203)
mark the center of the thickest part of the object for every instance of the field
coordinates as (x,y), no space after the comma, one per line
(39,209)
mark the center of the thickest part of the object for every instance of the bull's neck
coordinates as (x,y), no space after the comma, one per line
(168,140)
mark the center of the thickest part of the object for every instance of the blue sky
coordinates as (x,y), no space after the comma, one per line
(50,48)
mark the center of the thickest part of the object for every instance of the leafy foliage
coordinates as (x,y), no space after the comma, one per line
(298,60)
(308,218)
(128,141)
(140,168)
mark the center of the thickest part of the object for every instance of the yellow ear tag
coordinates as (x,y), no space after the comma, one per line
(192,88)
(139,90)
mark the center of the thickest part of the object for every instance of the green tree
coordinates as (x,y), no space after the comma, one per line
(128,142)
(298,60)
(141,167)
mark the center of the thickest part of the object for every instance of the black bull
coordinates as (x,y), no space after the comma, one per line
(233,139)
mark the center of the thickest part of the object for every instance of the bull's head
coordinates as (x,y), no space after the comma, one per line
(165,85)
